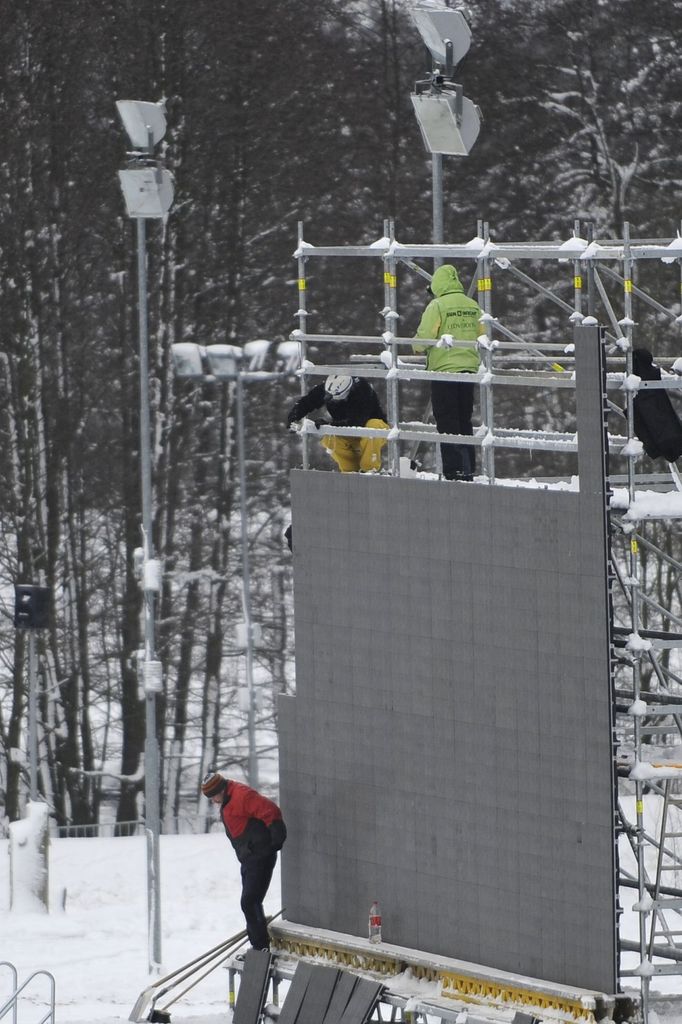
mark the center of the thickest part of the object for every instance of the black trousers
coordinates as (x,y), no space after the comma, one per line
(256,876)
(453,406)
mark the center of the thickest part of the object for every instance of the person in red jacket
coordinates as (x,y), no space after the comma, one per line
(255,827)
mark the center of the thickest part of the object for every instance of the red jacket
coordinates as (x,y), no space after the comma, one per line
(253,823)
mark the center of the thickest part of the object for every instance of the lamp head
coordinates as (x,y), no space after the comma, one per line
(223,361)
(144,122)
(438,25)
(449,122)
(201,361)
(187,359)
(148,191)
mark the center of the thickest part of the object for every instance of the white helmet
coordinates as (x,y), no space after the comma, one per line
(337,386)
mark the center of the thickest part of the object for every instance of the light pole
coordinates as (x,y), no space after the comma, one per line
(148,193)
(225,363)
(449,122)
(246,586)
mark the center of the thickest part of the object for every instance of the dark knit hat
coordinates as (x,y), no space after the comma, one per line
(213,783)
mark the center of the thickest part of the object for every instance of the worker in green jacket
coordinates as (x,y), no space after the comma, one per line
(451,315)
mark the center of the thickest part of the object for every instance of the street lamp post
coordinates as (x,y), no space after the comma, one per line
(437,235)
(246,586)
(224,363)
(148,193)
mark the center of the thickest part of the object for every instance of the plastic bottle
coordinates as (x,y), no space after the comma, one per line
(374,923)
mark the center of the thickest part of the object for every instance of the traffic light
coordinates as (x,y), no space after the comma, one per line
(31,606)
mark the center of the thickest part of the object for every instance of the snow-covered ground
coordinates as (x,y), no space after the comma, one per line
(94,941)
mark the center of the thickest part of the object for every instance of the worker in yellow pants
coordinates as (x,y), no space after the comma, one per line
(357,454)
(349,402)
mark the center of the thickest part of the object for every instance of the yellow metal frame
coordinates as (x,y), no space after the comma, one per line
(453,985)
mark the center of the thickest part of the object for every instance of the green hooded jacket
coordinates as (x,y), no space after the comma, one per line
(450,312)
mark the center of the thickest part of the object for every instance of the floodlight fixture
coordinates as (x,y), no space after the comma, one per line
(223,361)
(187,359)
(289,353)
(148,191)
(439,26)
(256,352)
(200,361)
(448,121)
(144,122)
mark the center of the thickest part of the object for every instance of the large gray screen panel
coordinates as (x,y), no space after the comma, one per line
(448,751)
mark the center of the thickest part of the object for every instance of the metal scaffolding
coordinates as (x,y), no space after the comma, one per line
(645,505)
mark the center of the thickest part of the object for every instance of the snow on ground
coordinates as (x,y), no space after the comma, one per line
(94,940)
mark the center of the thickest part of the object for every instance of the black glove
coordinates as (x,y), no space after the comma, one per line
(292,416)
(278,833)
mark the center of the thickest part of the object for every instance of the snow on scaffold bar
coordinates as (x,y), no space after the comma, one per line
(455,979)
(523,440)
(382,340)
(666,249)
(646,771)
(647,505)
(404,433)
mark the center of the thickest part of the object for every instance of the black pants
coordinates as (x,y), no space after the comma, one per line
(453,405)
(256,875)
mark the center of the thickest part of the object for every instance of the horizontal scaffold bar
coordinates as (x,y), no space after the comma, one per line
(408,372)
(523,440)
(382,341)
(532,379)
(667,249)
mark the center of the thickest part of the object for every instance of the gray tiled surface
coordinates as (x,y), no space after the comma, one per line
(448,749)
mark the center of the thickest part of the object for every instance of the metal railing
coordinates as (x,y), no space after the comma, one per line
(587,263)
(15,984)
(98,830)
(13,1002)
(183,825)
(487,436)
